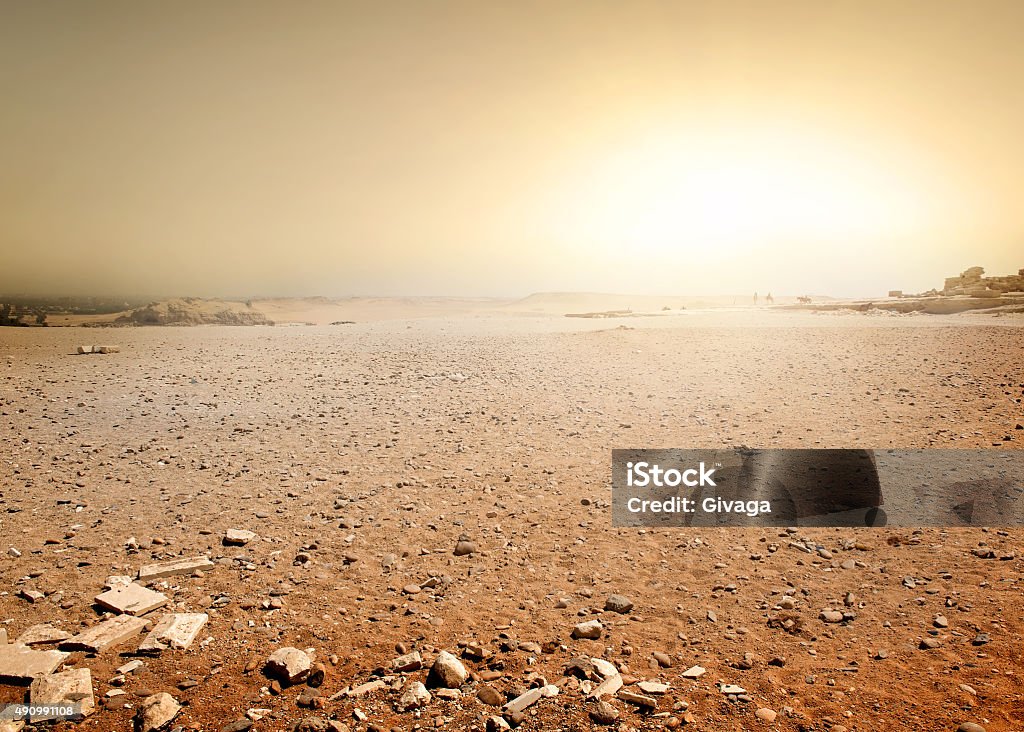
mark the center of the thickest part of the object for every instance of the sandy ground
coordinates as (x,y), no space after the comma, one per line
(360,454)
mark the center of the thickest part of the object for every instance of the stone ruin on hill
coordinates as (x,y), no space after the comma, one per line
(971,282)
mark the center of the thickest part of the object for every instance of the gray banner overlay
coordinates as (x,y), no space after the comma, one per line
(747,487)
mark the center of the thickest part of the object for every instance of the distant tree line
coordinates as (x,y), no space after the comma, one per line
(10,317)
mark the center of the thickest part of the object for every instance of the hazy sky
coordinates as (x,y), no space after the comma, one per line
(484,148)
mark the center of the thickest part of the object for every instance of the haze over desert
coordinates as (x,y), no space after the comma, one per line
(333,336)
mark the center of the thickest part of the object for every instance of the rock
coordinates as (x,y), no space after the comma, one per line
(604,713)
(464,547)
(288,664)
(156,711)
(640,700)
(133,599)
(366,688)
(175,566)
(618,604)
(766,715)
(239,725)
(448,671)
(981,639)
(590,630)
(409,662)
(32,596)
(238,537)
(940,621)
(42,634)
(663,659)
(116,580)
(524,701)
(489,696)
(604,668)
(928,644)
(694,672)
(831,616)
(655,688)
(130,667)
(103,635)
(316,675)
(411,589)
(497,724)
(67,687)
(414,697)
(970,727)
(176,630)
(607,687)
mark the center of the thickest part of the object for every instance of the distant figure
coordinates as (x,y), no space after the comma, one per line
(755,298)
(769,299)
(804,299)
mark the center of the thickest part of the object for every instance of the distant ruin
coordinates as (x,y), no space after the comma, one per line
(972,283)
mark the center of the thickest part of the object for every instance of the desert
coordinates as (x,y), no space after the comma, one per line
(418,509)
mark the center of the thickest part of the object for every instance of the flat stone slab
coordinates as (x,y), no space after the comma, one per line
(524,701)
(694,672)
(607,687)
(176,631)
(72,688)
(133,599)
(22,663)
(108,633)
(175,566)
(654,688)
(639,699)
(42,634)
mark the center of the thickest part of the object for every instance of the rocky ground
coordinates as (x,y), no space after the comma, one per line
(427,503)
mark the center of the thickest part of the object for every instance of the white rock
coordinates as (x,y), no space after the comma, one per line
(414,697)
(448,671)
(156,711)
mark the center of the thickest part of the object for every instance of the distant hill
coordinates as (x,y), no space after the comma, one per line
(194,311)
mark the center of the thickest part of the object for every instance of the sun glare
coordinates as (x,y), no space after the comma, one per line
(731,194)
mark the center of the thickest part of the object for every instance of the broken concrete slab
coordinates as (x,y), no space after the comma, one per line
(176,630)
(188,565)
(42,634)
(108,633)
(71,688)
(21,663)
(133,599)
